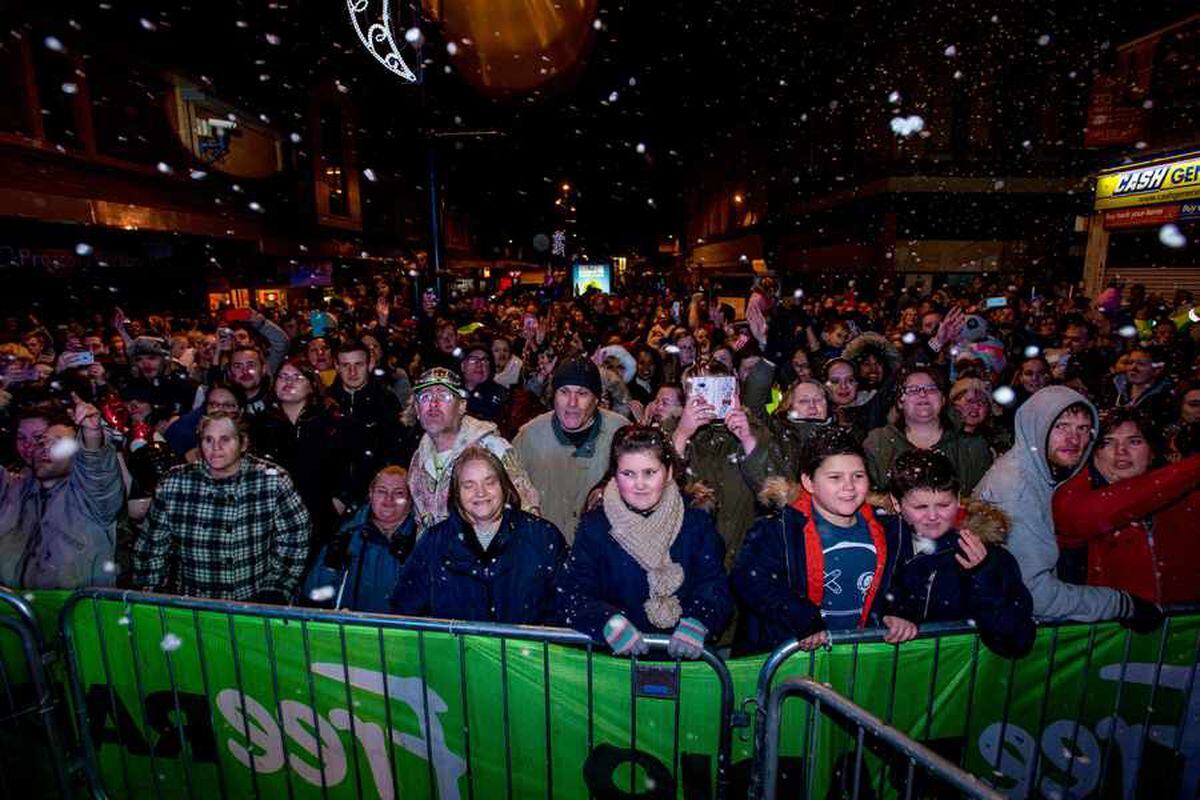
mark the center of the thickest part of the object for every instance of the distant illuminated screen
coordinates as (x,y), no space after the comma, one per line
(592,276)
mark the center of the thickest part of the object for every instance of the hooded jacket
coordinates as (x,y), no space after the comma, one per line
(715,458)
(449,576)
(934,587)
(1021,483)
(361,565)
(779,575)
(430,486)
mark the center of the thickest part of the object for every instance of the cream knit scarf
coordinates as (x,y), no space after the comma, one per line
(648,541)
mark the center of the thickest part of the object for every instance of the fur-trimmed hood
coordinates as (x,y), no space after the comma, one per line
(984,520)
(871,342)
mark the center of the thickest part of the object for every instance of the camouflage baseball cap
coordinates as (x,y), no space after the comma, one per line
(440,376)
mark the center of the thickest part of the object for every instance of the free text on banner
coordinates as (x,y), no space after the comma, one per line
(183,702)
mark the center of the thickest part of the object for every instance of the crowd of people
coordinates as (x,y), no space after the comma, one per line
(647,462)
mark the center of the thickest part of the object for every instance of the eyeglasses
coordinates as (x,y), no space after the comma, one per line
(428,398)
(923,389)
(291,377)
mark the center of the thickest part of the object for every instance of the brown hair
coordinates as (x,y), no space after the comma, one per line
(512,498)
(645,439)
(896,417)
(785,403)
(240,426)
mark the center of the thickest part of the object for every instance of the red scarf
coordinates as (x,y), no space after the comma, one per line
(814,555)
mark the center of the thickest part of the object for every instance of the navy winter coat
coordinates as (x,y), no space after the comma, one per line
(361,565)
(449,576)
(600,579)
(934,587)
(778,579)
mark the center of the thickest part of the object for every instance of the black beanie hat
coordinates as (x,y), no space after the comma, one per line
(578,372)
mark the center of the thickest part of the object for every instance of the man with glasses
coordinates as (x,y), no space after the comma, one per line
(441,401)
(1055,431)
(486,399)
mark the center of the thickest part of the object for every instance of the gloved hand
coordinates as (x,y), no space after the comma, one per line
(1143,616)
(623,637)
(688,639)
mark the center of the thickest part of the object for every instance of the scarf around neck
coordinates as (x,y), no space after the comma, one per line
(584,441)
(648,540)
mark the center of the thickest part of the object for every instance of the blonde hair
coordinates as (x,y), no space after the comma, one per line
(392,470)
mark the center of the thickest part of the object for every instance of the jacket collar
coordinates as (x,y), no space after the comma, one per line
(814,554)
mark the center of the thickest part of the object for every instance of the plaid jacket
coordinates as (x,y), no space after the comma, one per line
(238,538)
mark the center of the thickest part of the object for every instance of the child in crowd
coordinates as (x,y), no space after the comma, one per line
(951,564)
(823,563)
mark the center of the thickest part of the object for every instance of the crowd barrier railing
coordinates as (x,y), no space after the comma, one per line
(33,754)
(177,697)
(1094,708)
(822,702)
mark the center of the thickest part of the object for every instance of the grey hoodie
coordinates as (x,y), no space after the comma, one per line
(1021,484)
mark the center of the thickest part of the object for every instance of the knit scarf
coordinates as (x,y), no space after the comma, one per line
(648,540)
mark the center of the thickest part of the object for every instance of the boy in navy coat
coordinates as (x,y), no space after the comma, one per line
(951,565)
(823,562)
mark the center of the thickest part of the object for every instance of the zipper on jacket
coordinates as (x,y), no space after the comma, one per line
(928,594)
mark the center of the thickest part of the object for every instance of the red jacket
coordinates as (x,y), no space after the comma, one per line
(1140,533)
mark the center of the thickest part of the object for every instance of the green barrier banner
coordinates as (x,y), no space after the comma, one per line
(183,702)
(1092,711)
(46,606)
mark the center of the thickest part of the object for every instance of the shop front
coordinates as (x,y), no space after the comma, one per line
(1146,227)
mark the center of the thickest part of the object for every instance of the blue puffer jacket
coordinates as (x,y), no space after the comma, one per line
(933,587)
(361,565)
(600,579)
(779,578)
(449,576)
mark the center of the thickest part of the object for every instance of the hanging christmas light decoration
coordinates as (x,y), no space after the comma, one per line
(373,23)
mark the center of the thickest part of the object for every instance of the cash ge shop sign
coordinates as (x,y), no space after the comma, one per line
(1160,181)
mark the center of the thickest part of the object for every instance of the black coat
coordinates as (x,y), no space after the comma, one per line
(310,450)
(600,579)
(934,587)
(371,435)
(449,576)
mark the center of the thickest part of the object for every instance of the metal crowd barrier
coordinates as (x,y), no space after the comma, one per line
(1088,760)
(30,744)
(179,685)
(823,700)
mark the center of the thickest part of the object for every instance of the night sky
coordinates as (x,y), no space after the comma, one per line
(669,91)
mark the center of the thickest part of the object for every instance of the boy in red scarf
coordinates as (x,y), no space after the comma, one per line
(822,563)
